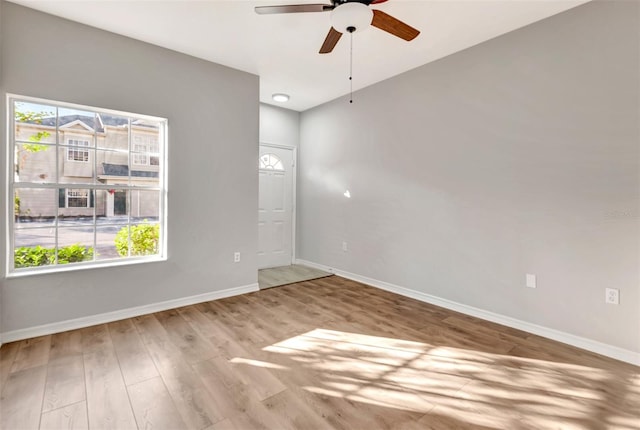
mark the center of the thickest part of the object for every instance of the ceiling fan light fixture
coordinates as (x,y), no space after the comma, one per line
(352,14)
(280,97)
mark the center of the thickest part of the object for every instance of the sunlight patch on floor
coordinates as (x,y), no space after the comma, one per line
(257,363)
(480,388)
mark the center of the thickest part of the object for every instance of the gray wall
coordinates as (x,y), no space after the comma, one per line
(279,126)
(519,155)
(213,186)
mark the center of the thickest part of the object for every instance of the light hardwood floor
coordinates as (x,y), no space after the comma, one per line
(322,354)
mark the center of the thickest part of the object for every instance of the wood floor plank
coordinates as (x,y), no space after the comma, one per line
(280,325)
(302,294)
(322,354)
(8,353)
(135,363)
(335,395)
(195,405)
(487,332)
(227,424)
(21,400)
(65,344)
(241,319)
(204,326)
(194,347)
(310,314)
(153,406)
(252,372)
(439,420)
(273,327)
(71,417)
(550,350)
(268,300)
(250,420)
(234,396)
(241,331)
(204,320)
(107,400)
(32,353)
(293,412)
(65,382)
(95,338)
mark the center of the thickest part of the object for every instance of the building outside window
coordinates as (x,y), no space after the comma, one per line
(88,186)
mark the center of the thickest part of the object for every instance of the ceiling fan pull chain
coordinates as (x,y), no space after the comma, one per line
(351,65)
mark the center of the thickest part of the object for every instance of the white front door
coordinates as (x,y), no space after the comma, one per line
(275,207)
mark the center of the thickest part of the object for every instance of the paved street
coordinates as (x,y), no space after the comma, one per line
(77,231)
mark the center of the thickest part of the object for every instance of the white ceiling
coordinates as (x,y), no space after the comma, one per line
(283,49)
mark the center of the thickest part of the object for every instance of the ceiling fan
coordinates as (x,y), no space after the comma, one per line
(348,16)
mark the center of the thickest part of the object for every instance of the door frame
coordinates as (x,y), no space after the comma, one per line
(294,180)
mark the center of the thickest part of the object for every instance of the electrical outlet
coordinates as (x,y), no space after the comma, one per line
(236,257)
(344,246)
(530,280)
(612,296)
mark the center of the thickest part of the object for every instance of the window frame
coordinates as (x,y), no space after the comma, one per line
(92,185)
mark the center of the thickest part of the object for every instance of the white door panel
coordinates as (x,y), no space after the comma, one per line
(279,191)
(278,237)
(275,207)
(262,237)
(262,197)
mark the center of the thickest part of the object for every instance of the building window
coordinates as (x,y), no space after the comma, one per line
(73,198)
(78,151)
(75,201)
(145,150)
(77,198)
(271,162)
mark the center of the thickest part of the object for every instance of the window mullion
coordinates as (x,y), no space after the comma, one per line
(11,215)
(57,176)
(128,209)
(93,191)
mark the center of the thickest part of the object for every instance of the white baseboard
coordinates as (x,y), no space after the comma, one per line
(107,317)
(570,339)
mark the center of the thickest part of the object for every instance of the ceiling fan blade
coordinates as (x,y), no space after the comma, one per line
(293,8)
(392,25)
(377,1)
(330,41)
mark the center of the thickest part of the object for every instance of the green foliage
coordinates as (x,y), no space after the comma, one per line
(16,205)
(33,117)
(74,254)
(30,148)
(33,256)
(34,147)
(30,116)
(144,239)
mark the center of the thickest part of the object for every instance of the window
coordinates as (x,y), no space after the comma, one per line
(97,197)
(140,159)
(271,161)
(145,150)
(70,198)
(78,153)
